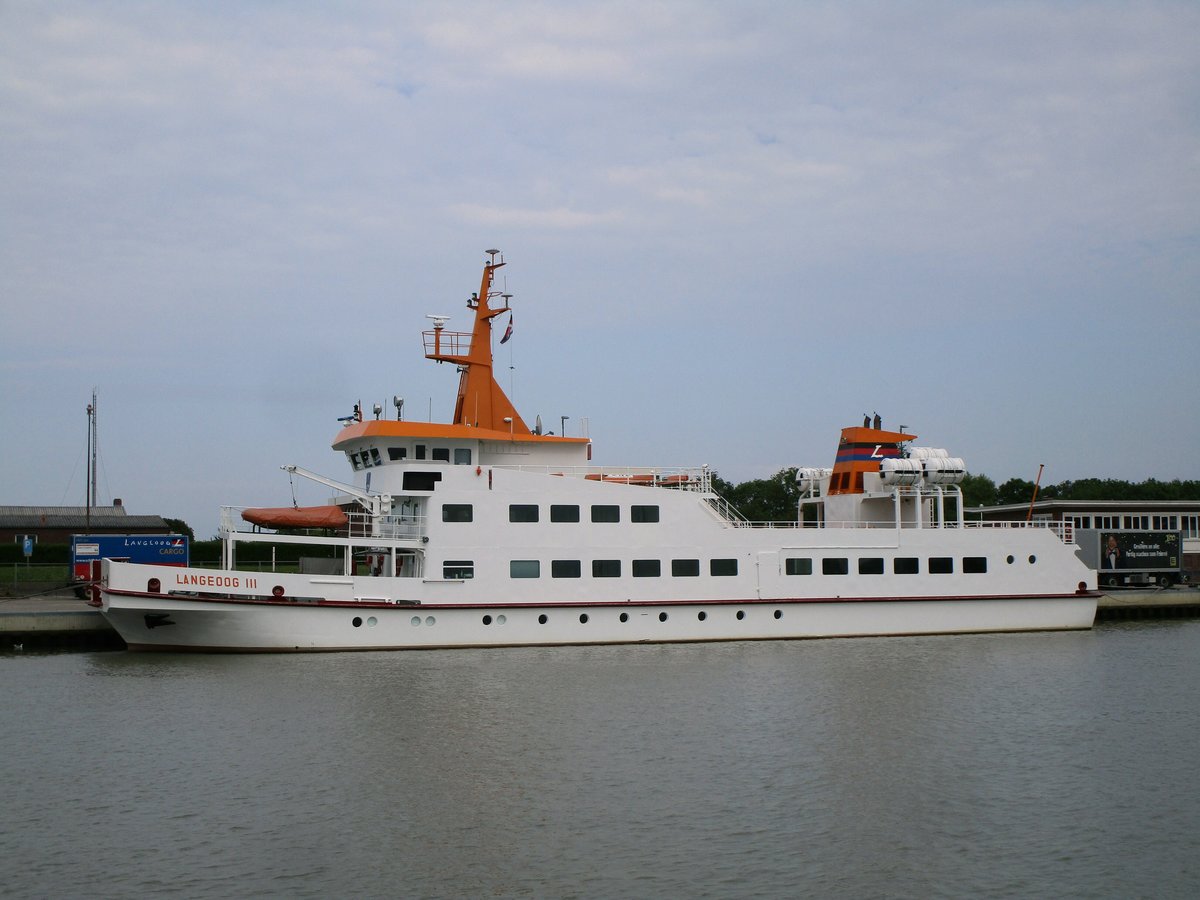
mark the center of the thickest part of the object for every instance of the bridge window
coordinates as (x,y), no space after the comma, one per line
(462,456)
(395,454)
(420,448)
(421,481)
(441,454)
(375,458)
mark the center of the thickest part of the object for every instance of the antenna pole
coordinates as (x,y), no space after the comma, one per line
(91,462)
(1036,484)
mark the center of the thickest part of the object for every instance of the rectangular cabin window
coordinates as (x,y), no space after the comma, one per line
(458,512)
(441,454)
(462,456)
(685,568)
(522,512)
(606,513)
(941,565)
(797,566)
(906,565)
(606,568)
(458,569)
(647,568)
(420,448)
(565,568)
(395,454)
(421,481)
(643,513)
(722,567)
(835,565)
(975,565)
(524,568)
(562,512)
(870,565)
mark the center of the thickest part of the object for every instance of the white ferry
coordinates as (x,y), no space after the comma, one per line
(486,533)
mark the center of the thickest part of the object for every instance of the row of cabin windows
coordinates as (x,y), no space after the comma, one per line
(876,565)
(365,459)
(566,512)
(690,568)
(461,569)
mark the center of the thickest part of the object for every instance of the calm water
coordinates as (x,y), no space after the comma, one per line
(1043,765)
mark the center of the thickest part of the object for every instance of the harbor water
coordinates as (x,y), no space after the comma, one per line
(1004,765)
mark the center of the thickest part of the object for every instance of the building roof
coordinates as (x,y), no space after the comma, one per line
(76,517)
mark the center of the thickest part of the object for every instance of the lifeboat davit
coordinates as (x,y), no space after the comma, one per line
(297,517)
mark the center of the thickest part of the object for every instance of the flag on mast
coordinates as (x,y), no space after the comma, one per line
(507,331)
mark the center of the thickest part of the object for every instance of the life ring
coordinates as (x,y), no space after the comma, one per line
(277,591)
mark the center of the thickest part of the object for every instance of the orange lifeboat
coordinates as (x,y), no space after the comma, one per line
(297,517)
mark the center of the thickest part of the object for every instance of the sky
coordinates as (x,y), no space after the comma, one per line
(731,230)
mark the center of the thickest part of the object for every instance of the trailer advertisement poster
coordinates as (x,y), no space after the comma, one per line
(1139,550)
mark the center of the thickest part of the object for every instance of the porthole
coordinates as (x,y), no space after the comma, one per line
(416,620)
(1010,559)
(500,620)
(702,615)
(1032,559)
(779,613)
(356,622)
(741,614)
(583,617)
(372,621)
(542,620)
(624,617)
(430,620)
(662,617)
(487,620)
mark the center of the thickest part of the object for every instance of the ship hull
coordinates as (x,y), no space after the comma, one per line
(172,623)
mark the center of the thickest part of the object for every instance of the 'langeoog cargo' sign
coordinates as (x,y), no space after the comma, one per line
(1138,550)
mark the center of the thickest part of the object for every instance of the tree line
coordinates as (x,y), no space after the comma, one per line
(776,499)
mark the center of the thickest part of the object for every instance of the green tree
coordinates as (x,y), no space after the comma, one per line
(978,490)
(178,526)
(1015,490)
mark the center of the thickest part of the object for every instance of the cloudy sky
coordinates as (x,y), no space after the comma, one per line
(731,229)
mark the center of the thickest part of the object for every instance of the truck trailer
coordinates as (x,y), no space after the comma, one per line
(1133,558)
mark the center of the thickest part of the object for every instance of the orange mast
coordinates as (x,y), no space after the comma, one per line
(481,401)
